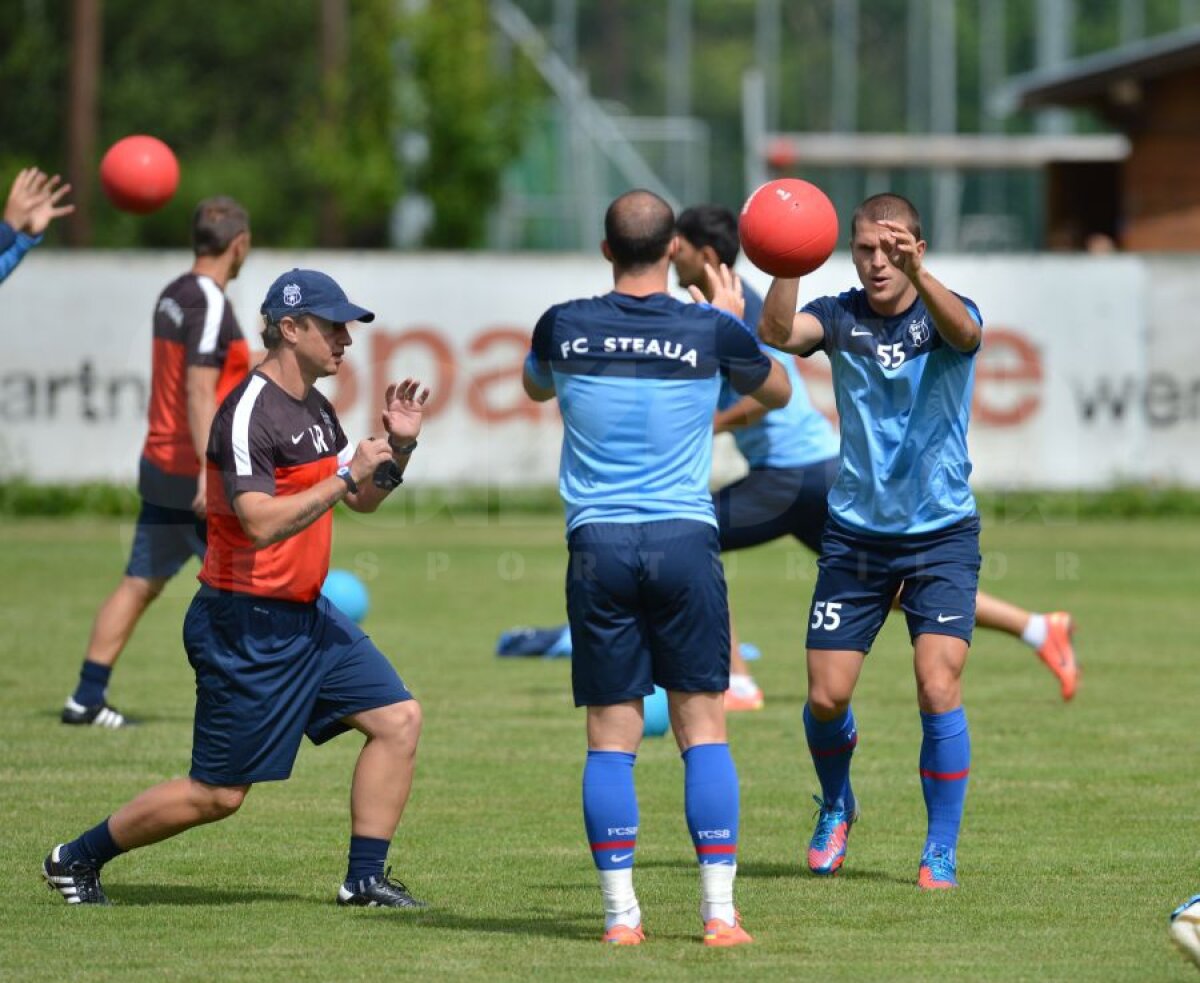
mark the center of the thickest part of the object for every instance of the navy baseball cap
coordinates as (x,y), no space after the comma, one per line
(311,292)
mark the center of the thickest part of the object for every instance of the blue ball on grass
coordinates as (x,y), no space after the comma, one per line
(346,593)
(656,721)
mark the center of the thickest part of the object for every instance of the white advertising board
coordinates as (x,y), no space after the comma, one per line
(1087,377)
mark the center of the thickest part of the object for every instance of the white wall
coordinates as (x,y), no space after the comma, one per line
(1089,373)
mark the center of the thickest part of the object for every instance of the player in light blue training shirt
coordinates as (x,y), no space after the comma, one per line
(792,453)
(901,514)
(637,374)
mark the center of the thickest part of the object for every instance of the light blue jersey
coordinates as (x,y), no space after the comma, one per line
(794,436)
(904,400)
(637,380)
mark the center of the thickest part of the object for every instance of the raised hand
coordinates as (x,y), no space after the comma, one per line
(48,208)
(901,246)
(404,408)
(23,197)
(725,290)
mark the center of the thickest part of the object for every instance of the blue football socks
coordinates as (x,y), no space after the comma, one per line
(711,802)
(610,808)
(945,765)
(93,681)
(831,744)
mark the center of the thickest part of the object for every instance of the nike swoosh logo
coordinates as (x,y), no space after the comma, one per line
(616,858)
(943,618)
(855,333)
(296,438)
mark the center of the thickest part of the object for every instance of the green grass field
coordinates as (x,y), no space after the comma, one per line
(1081,830)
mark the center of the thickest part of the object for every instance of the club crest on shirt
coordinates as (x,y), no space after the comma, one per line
(919,332)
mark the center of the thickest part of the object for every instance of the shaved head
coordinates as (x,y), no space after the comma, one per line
(638,228)
(891,208)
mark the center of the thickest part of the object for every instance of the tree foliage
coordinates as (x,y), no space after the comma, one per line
(236,90)
(473,111)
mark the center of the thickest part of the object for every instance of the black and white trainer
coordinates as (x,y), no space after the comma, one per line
(379,893)
(100,715)
(78,883)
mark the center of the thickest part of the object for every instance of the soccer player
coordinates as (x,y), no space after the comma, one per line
(793,457)
(901,514)
(792,453)
(34,201)
(199,355)
(636,374)
(274,660)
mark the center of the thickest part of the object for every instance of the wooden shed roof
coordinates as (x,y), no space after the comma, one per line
(1100,78)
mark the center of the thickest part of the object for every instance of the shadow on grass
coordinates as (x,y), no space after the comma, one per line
(575,926)
(757,869)
(768,870)
(144,895)
(135,720)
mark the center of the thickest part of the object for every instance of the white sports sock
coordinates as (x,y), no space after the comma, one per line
(716,892)
(1034,634)
(742,684)
(620,903)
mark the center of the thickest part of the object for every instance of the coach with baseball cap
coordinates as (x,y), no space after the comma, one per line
(311,292)
(275,661)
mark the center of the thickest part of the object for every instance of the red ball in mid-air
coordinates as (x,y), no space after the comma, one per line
(788,227)
(139,174)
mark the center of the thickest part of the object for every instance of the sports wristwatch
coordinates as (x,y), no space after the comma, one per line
(344,473)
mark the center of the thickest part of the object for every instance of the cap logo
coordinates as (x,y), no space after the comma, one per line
(291,294)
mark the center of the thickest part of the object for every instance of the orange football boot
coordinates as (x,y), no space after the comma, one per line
(1058,653)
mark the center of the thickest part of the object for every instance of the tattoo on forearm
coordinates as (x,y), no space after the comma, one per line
(304,518)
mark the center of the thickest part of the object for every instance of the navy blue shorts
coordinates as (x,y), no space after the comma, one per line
(269,672)
(164,540)
(936,573)
(770,503)
(647,605)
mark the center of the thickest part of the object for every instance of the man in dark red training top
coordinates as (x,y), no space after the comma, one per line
(274,660)
(199,356)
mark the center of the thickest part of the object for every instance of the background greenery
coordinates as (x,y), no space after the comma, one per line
(236,89)
(1080,833)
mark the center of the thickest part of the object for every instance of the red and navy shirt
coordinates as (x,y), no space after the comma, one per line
(264,440)
(194,325)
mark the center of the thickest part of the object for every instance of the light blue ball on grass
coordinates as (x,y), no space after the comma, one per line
(656,721)
(346,593)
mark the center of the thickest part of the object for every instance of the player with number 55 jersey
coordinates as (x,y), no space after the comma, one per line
(902,518)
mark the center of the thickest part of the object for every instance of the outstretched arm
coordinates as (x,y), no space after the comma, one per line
(783,327)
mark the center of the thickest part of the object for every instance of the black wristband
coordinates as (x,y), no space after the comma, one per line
(403,448)
(387,476)
(344,473)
